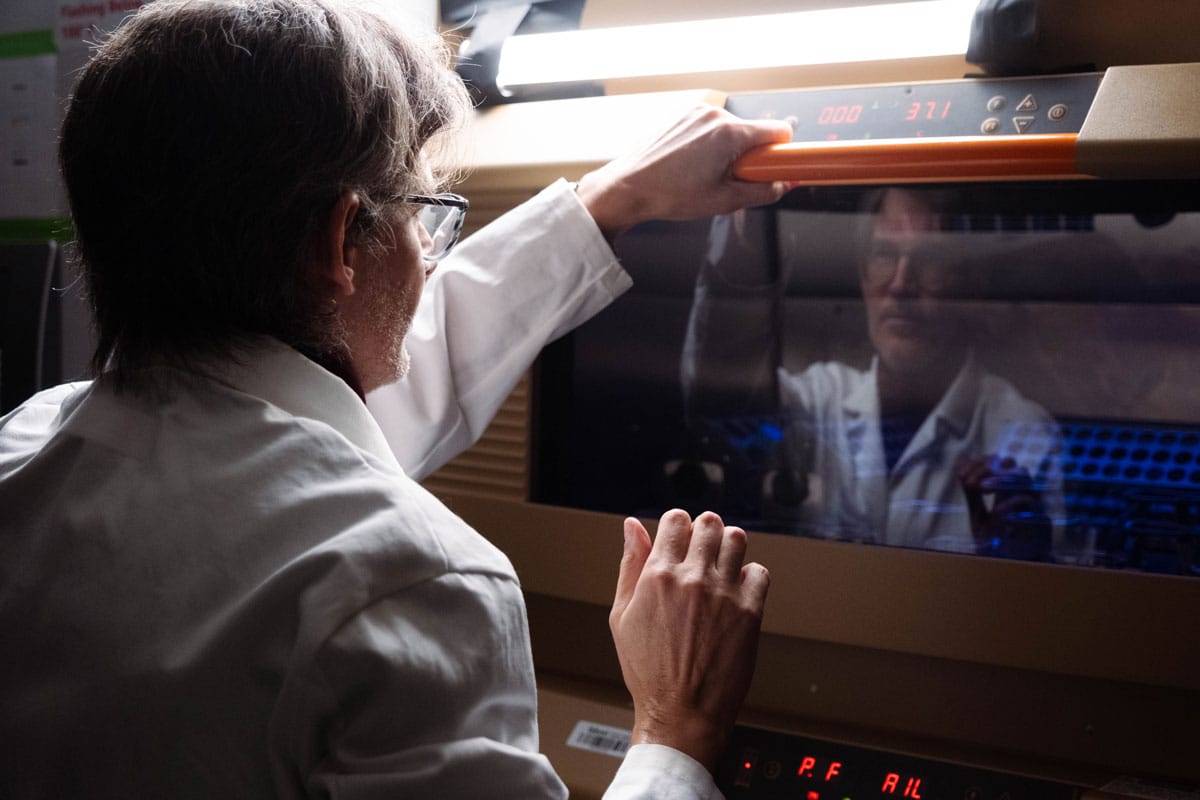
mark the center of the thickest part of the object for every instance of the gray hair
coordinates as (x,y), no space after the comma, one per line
(208,141)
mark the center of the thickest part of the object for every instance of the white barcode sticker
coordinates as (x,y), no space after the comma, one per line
(599,738)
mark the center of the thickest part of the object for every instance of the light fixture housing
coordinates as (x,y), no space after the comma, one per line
(891,31)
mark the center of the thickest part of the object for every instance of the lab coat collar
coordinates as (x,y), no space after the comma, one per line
(955,409)
(958,406)
(272,371)
(950,417)
(862,402)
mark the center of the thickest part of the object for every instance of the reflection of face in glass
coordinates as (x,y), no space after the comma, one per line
(907,275)
(925,266)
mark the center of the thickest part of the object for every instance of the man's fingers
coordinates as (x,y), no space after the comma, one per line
(766,132)
(759,133)
(733,553)
(633,559)
(705,545)
(674,535)
(755,582)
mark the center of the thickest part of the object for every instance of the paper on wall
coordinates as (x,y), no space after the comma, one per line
(28,119)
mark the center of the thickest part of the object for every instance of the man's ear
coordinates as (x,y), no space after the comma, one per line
(342,254)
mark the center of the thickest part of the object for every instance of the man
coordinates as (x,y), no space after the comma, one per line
(916,449)
(216,579)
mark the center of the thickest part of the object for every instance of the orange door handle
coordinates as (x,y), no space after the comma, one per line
(967,158)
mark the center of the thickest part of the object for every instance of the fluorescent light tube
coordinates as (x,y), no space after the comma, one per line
(828,36)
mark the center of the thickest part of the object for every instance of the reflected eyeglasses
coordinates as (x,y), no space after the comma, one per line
(442,216)
(930,270)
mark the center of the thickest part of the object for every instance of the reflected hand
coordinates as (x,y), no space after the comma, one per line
(1016,524)
(685,621)
(685,174)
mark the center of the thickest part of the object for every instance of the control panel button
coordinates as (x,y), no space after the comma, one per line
(1057,111)
(1023,124)
(997,103)
(1028,104)
(990,125)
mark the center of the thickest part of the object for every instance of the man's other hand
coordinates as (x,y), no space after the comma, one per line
(685,621)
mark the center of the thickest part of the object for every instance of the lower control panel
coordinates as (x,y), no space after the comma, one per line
(766,765)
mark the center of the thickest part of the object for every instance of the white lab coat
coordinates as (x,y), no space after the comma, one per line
(235,591)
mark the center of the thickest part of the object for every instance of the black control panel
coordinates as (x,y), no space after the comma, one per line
(766,765)
(965,107)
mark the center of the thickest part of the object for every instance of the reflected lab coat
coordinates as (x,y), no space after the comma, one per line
(919,502)
(236,590)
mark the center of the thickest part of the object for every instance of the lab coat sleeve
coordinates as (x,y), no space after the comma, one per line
(428,692)
(732,344)
(507,290)
(655,772)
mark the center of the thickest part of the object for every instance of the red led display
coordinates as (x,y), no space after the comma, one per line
(930,109)
(838,115)
(810,769)
(916,111)
(893,781)
(794,767)
(829,771)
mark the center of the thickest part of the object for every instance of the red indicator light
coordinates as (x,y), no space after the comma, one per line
(745,776)
(813,796)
